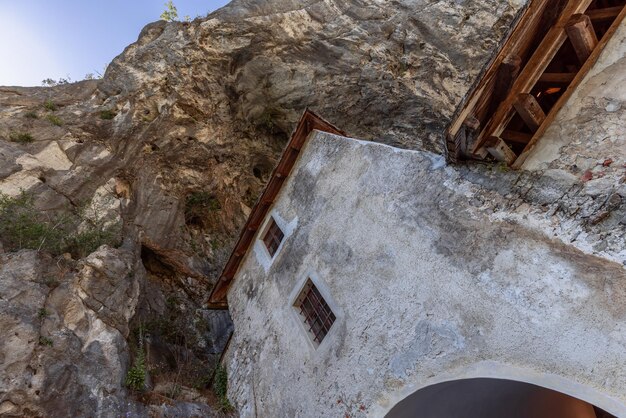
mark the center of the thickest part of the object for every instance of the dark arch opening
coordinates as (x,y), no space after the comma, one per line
(492,398)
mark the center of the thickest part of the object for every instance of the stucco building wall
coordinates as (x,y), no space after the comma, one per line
(426,287)
(439,273)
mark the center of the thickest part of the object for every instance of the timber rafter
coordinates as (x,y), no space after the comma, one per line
(550,50)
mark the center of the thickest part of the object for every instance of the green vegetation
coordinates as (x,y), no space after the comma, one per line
(21,137)
(50,281)
(136,375)
(202,200)
(84,243)
(220,387)
(267,119)
(174,391)
(49,82)
(201,382)
(49,105)
(503,167)
(403,67)
(107,114)
(23,226)
(55,120)
(45,341)
(166,328)
(31,115)
(170,13)
(42,313)
(199,206)
(181,332)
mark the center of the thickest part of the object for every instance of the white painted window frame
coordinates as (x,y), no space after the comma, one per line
(325,291)
(261,252)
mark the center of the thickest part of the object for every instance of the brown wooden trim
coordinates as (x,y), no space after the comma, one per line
(593,58)
(308,123)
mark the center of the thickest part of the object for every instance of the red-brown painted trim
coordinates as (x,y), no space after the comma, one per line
(308,123)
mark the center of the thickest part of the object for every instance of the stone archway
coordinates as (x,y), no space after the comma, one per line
(492,398)
(488,370)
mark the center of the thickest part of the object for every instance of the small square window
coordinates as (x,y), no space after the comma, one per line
(273,237)
(315,312)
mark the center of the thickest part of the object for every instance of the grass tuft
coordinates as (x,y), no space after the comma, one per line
(55,120)
(49,105)
(23,226)
(107,114)
(21,137)
(45,341)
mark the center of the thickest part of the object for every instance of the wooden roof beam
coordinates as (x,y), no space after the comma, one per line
(581,74)
(529,110)
(582,36)
(535,67)
(557,78)
(603,15)
(517,43)
(506,75)
(500,150)
(516,137)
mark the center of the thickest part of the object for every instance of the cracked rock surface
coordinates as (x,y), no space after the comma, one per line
(173,145)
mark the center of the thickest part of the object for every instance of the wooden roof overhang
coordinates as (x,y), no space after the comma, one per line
(552,47)
(307,124)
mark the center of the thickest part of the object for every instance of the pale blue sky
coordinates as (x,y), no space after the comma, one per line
(59,38)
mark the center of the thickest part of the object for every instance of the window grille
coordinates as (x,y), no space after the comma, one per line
(273,237)
(315,312)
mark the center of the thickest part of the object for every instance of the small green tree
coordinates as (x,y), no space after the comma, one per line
(136,375)
(170,13)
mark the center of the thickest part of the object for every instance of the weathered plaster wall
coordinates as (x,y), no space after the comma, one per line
(432,277)
(587,138)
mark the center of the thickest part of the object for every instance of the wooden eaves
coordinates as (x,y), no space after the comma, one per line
(307,124)
(552,47)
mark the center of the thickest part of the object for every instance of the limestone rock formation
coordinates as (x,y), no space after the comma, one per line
(171,148)
(63,358)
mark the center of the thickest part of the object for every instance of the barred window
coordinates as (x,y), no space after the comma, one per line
(315,312)
(273,237)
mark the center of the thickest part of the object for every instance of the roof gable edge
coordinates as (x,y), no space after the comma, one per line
(309,121)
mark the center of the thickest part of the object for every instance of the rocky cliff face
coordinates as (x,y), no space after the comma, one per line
(165,156)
